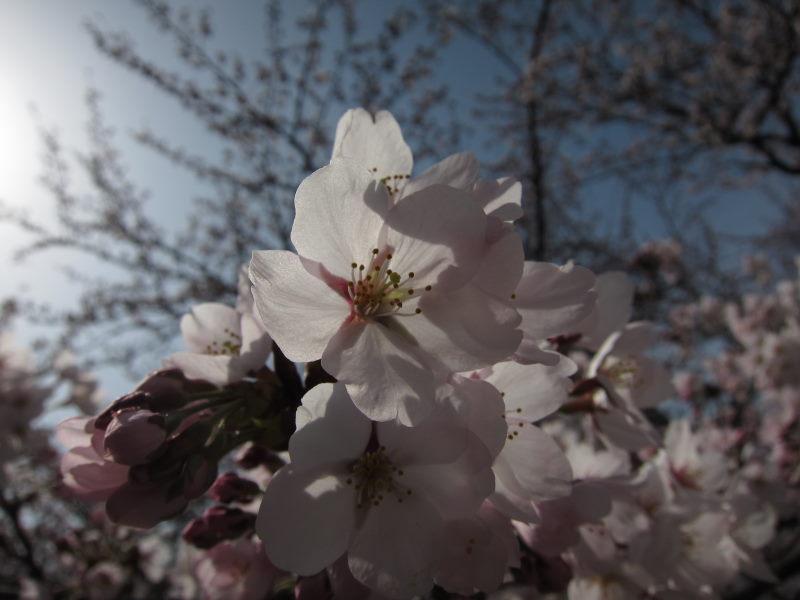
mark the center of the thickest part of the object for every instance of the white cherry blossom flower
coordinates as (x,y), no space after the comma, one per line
(374,290)
(379,491)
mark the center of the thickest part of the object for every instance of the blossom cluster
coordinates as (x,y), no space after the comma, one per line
(463,411)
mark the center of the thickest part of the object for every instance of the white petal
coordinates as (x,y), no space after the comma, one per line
(501,199)
(377,143)
(205,324)
(256,343)
(394,551)
(635,338)
(430,442)
(456,489)
(509,495)
(339,211)
(384,377)
(464,330)
(300,312)
(538,464)
(329,428)
(536,390)
(614,307)
(480,405)
(306,519)
(457,170)
(437,233)
(553,300)
(502,264)
(219,370)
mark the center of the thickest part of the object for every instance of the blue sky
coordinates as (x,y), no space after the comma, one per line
(47,61)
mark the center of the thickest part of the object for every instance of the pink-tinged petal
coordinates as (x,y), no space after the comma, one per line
(653,384)
(553,300)
(614,307)
(133,436)
(339,211)
(306,519)
(479,404)
(375,142)
(219,370)
(529,352)
(531,392)
(142,506)
(384,376)
(502,265)
(557,528)
(299,311)
(459,171)
(394,551)
(626,429)
(75,431)
(205,325)
(539,465)
(474,557)
(431,442)
(464,330)
(509,495)
(501,199)
(456,489)
(89,477)
(633,339)
(437,233)
(329,428)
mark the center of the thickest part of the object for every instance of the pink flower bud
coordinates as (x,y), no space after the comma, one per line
(133,436)
(232,488)
(218,523)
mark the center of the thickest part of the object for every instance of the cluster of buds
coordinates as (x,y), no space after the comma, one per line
(155,449)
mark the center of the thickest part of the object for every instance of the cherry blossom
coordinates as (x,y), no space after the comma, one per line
(381,492)
(371,292)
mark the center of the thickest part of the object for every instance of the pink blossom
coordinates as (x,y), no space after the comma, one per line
(84,470)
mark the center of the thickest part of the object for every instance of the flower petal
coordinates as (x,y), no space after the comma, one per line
(614,307)
(437,233)
(382,372)
(206,324)
(339,211)
(306,519)
(377,143)
(531,392)
(464,330)
(394,551)
(329,428)
(553,300)
(538,464)
(299,311)
(459,171)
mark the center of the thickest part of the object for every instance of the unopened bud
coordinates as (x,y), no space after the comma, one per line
(232,488)
(230,523)
(134,436)
(256,455)
(218,523)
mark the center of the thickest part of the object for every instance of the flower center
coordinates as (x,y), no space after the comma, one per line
(623,372)
(375,477)
(229,345)
(375,290)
